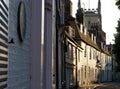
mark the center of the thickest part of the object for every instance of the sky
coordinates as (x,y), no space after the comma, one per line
(110,15)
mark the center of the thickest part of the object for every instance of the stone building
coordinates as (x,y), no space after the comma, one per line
(92,27)
(47,48)
(94,61)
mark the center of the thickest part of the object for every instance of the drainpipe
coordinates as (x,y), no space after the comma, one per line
(64,63)
(57,58)
(76,68)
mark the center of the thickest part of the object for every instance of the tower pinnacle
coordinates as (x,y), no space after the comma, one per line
(99,7)
(79,4)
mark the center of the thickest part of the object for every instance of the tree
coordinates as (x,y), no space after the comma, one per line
(118,3)
(116,47)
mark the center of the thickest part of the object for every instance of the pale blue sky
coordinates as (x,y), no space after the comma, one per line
(110,15)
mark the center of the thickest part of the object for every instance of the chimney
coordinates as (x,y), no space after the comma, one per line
(85,30)
(81,28)
(95,39)
(92,36)
(71,5)
(68,8)
(107,49)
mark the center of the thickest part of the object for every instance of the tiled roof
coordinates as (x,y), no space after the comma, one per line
(86,38)
(106,52)
(73,40)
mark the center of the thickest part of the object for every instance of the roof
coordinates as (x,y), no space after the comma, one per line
(86,38)
(90,12)
(66,34)
(106,52)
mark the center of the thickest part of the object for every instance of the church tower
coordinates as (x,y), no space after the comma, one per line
(99,13)
(99,7)
(79,4)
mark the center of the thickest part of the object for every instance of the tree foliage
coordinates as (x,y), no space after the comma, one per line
(116,47)
(118,3)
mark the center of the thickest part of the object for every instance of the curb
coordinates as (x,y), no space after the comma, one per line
(92,86)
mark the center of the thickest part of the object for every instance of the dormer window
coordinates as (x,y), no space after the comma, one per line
(70,31)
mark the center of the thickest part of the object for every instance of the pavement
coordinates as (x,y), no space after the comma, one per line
(105,85)
(90,86)
(109,85)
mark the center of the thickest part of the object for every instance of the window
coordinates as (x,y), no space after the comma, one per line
(89,72)
(94,54)
(79,55)
(90,53)
(74,52)
(73,32)
(69,50)
(79,74)
(85,54)
(85,71)
(71,76)
(88,23)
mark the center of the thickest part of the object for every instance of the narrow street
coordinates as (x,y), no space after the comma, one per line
(59,44)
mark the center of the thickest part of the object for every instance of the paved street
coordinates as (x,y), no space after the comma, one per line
(111,85)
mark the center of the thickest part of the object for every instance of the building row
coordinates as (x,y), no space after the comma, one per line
(85,56)
(42,46)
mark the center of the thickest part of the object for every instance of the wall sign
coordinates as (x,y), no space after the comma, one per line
(21,21)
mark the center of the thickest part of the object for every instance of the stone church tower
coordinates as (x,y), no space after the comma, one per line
(92,20)
(99,13)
